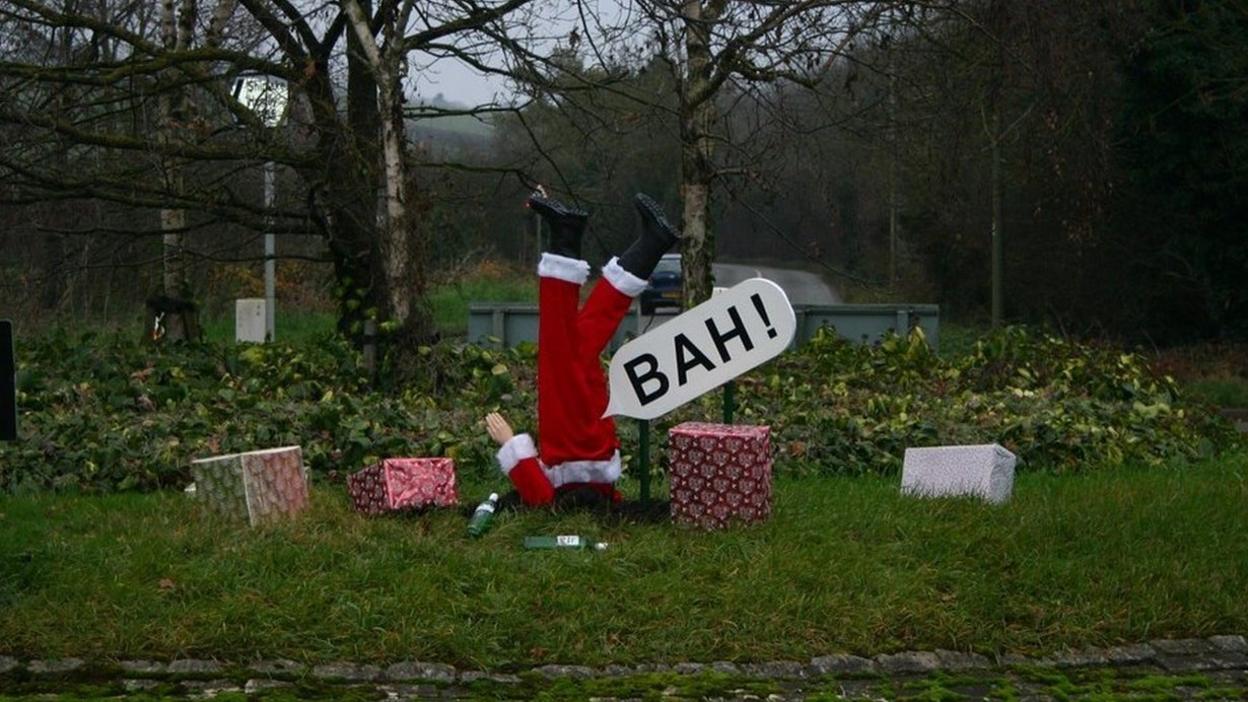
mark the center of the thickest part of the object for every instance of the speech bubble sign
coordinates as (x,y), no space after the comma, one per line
(729,334)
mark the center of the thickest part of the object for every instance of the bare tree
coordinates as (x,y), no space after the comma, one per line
(163,97)
(714,45)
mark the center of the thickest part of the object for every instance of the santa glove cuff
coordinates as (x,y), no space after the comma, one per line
(517,448)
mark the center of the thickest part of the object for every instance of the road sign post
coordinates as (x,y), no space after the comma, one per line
(267,97)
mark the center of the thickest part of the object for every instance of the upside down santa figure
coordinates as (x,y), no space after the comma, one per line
(578,460)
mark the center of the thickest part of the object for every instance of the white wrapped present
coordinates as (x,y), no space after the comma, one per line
(985,471)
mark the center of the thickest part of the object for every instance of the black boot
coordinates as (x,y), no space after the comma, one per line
(657,238)
(567,225)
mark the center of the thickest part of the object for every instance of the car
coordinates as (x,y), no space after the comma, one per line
(664,286)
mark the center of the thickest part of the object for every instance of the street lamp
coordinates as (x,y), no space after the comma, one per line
(267,97)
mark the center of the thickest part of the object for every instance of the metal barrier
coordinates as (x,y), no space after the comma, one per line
(511,324)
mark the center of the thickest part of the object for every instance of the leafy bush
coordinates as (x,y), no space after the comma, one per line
(105,413)
(1057,404)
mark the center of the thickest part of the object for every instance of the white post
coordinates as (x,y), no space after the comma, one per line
(270,251)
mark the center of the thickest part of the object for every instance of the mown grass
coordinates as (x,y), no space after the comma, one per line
(846,564)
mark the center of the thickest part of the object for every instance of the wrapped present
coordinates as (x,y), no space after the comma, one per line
(397,484)
(719,473)
(985,471)
(257,486)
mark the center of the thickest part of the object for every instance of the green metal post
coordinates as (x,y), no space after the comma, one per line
(730,401)
(643,458)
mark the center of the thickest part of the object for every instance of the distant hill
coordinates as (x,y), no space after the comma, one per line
(457,128)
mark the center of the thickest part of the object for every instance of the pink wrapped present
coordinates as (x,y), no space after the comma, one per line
(397,484)
(719,473)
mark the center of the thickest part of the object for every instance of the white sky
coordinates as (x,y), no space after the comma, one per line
(459,83)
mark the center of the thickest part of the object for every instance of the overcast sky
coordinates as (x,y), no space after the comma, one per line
(459,83)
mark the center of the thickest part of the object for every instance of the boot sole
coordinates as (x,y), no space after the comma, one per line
(554,209)
(650,209)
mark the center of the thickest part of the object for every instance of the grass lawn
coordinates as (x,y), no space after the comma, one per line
(845,565)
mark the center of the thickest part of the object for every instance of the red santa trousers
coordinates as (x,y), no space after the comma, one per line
(579,447)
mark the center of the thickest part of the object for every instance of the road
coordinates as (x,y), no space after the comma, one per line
(802,287)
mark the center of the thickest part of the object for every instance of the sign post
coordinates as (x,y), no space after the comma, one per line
(8,383)
(643,458)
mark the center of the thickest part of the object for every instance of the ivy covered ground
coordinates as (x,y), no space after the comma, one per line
(113,413)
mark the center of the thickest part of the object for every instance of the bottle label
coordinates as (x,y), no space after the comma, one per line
(485,508)
(569,541)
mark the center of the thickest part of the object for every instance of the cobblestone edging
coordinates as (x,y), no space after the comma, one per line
(1228,652)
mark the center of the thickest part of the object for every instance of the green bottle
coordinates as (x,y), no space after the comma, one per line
(569,541)
(482,517)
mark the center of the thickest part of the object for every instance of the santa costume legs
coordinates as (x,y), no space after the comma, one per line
(579,449)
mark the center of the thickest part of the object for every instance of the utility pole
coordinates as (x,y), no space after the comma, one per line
(270,255)
(892,159)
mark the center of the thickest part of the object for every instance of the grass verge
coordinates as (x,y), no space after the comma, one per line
(487,282)
(845,565)
(294,327)
(1231,392)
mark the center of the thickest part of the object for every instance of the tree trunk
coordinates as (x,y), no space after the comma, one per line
(892,168)
(173,223)
(697,114)
(397,254)
(998,298)
(349,182)
(173,220)
(399,268)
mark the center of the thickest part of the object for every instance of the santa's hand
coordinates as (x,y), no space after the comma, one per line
(498,428)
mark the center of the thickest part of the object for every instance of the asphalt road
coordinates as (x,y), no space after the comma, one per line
(802,287)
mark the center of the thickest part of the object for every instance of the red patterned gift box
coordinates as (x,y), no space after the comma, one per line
(720,473)
(397,484)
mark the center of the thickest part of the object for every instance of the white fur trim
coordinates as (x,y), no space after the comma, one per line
(517,448)
(621,279)
(563,268)
(569,472)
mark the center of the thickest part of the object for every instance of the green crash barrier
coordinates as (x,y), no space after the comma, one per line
(8,383)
